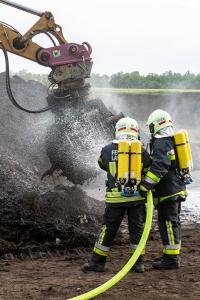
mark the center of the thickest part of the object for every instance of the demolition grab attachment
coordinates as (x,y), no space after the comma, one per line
(70,63)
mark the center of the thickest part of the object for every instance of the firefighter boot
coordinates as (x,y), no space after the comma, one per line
(96,264)
(93,266)
(139,265)
(167,262)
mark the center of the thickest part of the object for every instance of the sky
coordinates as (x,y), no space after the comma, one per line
(126,35)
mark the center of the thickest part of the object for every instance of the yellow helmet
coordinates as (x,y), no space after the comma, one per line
(158,120)
(127,128)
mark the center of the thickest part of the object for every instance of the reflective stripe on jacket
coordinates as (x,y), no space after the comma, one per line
(162,173)
(116,197)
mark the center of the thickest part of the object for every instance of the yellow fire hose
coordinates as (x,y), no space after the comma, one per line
(102,288)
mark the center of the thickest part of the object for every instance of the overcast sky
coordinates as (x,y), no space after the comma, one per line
(126,35)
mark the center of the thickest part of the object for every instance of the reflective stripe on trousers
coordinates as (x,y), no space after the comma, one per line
(98,247)
(172,248)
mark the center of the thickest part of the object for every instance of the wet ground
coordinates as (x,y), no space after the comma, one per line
(60,277)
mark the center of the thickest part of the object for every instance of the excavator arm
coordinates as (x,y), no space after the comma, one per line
(70,63)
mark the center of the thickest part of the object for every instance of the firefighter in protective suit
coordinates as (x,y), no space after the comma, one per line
(119,203)
(169,190)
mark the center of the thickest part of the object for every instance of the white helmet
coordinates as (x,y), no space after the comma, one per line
(126,128)
(158,120)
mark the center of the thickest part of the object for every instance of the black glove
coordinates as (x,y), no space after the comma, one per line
(143,191)
(144,188)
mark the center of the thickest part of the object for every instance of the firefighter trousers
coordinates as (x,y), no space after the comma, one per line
(112,219)
(170,226)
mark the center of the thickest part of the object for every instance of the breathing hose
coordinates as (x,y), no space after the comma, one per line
(102,288)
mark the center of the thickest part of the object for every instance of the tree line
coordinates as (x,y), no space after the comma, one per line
(166,80)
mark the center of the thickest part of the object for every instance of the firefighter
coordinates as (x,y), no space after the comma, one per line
(119,199)
(168,186)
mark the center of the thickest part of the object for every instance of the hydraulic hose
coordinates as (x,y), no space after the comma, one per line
(9,90)
(102,288)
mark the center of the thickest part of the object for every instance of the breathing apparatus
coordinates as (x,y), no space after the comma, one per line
(129,156)
(184,155)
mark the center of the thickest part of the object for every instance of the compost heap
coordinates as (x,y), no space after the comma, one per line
(65,140)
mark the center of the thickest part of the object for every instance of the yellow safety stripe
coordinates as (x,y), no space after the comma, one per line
(171,154)
(172,157)
(114,190)
(179,193)
(113,168)
(171,251)
(113,194)
(117,194)
(171,233)
(157,200)
(100,252)
(123,199)
(153,176)
(102,235)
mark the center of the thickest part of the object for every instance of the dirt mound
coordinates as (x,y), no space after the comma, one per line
(67,215)
(39,212)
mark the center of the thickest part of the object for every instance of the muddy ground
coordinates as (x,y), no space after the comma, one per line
(60,277)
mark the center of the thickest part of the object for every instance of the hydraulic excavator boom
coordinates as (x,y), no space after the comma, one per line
(70,63)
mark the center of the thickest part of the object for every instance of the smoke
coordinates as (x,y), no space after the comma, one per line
(183,107)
